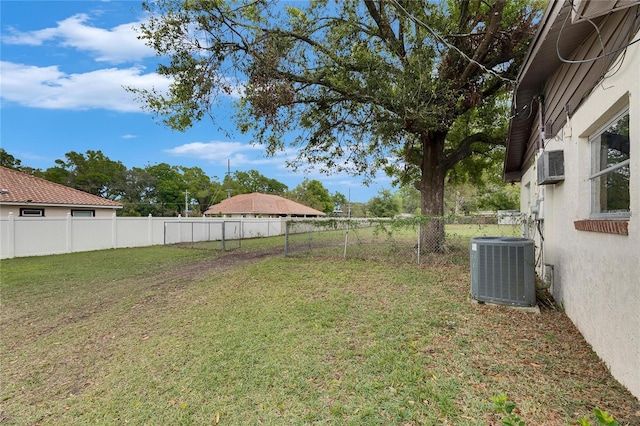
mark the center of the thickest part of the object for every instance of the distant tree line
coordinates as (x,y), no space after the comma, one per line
(167,190)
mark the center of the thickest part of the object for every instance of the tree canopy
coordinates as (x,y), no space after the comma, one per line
(9,161)
(163,189)
(160,189)
(254,181)
(91,172)
(312,193)
(370,85)
(383,205)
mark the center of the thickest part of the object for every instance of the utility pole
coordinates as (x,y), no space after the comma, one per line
(186,205)
(228,178)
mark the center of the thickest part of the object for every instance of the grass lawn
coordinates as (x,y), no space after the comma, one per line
(167,335)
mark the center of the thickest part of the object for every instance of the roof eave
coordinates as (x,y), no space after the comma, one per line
(547,21)
(267,213)
(42,204)
(530,80)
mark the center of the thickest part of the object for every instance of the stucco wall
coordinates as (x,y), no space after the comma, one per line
(596,275)
(50,211)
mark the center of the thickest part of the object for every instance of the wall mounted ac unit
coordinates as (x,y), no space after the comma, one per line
(503,271)
(550,167)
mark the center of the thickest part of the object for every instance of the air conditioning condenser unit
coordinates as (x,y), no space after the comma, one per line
(503,271)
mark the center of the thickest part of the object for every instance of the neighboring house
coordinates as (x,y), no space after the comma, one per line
(28,196)
(574,144)
(261,205)
(338,212)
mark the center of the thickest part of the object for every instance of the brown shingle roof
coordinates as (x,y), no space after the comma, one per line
(20,188)
(266,204)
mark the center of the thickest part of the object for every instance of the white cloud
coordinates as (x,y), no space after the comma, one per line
(115,45)
(50,88)
(129,136)
(218,152)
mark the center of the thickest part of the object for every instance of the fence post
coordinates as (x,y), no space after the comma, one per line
(346,241)
(286,238)
(11,237)
(223,233)
(150,229)
(419,233)
(69,239)
(164,235)
(114,231)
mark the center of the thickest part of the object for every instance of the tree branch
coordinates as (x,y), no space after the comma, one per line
(386,32)
(465,148)
(330,53)
(464,9)
(485,45)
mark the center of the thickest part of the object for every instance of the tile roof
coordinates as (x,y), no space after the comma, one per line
(19,188)
(258,203)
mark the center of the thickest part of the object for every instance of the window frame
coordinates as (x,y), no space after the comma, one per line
(593,178)
(24,210)
(92,213)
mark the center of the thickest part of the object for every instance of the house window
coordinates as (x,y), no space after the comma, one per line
(83,213)
(610,196)
(31,212)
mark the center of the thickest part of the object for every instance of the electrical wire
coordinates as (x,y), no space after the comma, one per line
(529,106)
(561,58)
(618,66)
(441,39)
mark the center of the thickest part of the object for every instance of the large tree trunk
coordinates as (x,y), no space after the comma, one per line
(431,188)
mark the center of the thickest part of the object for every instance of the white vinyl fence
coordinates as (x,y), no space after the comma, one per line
(30,236)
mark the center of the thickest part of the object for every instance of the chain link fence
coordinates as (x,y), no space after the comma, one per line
(416,239)
(402,240)
(206,235)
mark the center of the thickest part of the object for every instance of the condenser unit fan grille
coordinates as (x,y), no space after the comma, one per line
(502,270)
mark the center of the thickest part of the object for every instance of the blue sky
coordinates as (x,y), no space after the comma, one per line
(64,65)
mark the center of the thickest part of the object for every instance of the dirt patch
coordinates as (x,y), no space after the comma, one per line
(227,260)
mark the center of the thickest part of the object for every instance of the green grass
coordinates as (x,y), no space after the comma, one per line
(165,335)
(482,230)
